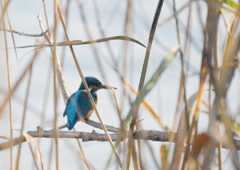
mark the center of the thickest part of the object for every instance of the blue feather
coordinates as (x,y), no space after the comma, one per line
(78,105)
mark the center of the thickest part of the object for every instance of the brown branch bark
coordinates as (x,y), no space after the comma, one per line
(152,135)
(96,125)
(86,136)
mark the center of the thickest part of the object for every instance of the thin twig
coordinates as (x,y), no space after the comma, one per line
(24,34)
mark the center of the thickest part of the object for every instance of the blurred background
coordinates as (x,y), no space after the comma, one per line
(112,17)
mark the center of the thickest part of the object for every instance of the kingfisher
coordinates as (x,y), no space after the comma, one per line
(79,105)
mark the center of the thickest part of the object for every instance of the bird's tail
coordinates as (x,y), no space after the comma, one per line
(70,125)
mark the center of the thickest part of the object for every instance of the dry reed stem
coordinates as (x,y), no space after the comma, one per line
(54,61)
(83,80)
(182,88)
(215,66)
(128,141)
(194,121)
(32,153)
(10,99)
(4,10)
(24,115)
(81,149)
(209,39)
(86,87)
(65,30)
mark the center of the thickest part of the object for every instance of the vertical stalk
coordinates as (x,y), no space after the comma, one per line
(144,70)
(150,40)
(23,116)
(182,89)
(54,81)
(211,81)
(10,100)
(81,149)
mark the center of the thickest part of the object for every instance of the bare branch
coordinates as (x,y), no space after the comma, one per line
(86,136)
(152,135)
(96,125)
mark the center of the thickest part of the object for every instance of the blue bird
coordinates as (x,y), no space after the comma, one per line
(79,105)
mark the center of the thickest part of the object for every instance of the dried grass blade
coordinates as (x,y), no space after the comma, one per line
(79,42)
(38,153)
(54,62)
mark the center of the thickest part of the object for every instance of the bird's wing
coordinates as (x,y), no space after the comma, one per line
(84,104)
(71,110)
(68,102)
(78,105)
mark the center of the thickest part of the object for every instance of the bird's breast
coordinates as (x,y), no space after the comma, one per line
(91,111)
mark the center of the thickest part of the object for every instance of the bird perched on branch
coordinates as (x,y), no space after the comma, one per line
(79,105)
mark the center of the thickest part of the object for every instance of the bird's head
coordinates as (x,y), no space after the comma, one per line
(94,84)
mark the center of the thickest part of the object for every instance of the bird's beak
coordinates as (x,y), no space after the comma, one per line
(106,87)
